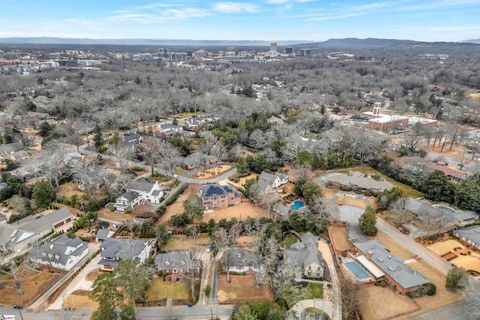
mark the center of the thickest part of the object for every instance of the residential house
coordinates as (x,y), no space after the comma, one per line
(356,181)
(198,159)
(470,235)
(305,255)
(167,129)
(242,261)
(139,192)
(268,182)
(128,201)
(104,234)
(61,253)
(132,139)
(47,221)
(176,264)
(192,124)
(414,168)
(216,197)
(396,272)
(115,250)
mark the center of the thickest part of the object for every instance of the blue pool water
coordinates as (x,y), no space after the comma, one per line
(297,205)
(357,270)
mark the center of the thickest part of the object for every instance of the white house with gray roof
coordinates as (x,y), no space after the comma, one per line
(115,250)
(61,253)
(402,278)
(139,192)
(305,255)
(268,182)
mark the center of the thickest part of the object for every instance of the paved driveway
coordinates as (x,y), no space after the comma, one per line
(337,294)
(79,282)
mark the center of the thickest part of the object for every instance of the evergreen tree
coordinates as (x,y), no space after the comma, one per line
(368,221)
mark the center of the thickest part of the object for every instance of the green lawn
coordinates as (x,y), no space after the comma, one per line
(407,191)
(293,294)
(289,240)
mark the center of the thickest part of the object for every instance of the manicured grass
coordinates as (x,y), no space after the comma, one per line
(407,191)
(315,290)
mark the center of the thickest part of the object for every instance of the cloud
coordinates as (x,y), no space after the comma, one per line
(165,14)
(288,2)
(234,7)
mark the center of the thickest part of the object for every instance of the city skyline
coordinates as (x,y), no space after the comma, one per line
(276,20)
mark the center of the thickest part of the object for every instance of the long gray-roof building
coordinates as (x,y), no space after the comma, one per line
(400,276)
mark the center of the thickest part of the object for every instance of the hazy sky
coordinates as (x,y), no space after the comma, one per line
(449,20)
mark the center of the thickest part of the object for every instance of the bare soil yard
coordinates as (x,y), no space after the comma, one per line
(114,216)
(34,282)
(181,242)
(212,172)
(80,299)
(471,261)
(338,236)
(241,288)
(177,206)
(161,289)
(377,303)
(240,212)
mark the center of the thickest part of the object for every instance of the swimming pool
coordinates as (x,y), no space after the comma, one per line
(297,205)
(357,270)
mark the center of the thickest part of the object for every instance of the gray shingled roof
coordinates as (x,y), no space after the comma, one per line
(428,213)
(140,185)
(43,222)
(266,179)
(180,260)
(304,252)
(55,251)
(391,265)
(122,249)
(130,195)
(471,234)
(196,157)
(356,180)
(102,234)
(240,258)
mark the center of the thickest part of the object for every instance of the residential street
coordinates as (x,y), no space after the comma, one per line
(196,312)
(416,248)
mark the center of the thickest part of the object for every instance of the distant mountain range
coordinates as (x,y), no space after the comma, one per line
(476,41)
(143,42)
(351,43)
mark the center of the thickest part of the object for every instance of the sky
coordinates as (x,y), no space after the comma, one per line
(312,20)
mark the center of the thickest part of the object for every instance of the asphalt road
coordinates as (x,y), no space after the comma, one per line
(416,248)
(458,311)
(185,313)
(46,315)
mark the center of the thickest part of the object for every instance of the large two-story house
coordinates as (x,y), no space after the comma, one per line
(177,264)
(216,197)
(241,261)
(304,255)
(268,182)
(115,250)
(139,192)
(61,253)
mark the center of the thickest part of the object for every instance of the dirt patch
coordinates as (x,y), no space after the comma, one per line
(241,288)
(338,236)
(240,212)
(114,216)
(70,190)
(80,299)
(243,180)
(92,275)
(212,172)
(377,303)
(177,206)
(33,282)
(181,242)
(462,257)
(143,211)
